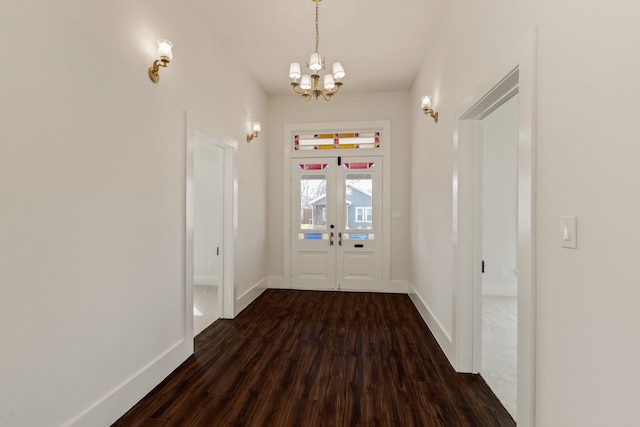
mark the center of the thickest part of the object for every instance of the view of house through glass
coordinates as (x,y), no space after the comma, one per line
(358,195)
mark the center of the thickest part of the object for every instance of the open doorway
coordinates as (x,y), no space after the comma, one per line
(210,221)
(208,272)
(514,75)
(499,252)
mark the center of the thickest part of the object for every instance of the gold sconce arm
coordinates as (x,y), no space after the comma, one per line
(431,113)
(154,70)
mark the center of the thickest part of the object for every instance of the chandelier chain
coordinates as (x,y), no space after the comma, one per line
(311,85)
(317,36)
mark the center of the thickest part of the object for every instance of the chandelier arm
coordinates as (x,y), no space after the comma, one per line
(296,89)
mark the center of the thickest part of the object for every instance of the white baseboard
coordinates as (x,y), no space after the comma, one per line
(114,404)
(393,286)
(249,296)
(444,339)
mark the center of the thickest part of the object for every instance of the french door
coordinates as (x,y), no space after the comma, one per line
(336,230)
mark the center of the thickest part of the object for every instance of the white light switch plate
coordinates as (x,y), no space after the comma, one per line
(568,232)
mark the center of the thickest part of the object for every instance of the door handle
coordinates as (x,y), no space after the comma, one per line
(340,238)
(331,239)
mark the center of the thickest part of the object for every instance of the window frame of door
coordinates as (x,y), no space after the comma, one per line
(384,151)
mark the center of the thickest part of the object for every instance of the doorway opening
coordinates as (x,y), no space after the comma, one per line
(208,227)
(211,209)
(515,75)
(499,212)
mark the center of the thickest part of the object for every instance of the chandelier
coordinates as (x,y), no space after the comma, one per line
(309,84)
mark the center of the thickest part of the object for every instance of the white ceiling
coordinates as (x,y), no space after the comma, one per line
(380,43)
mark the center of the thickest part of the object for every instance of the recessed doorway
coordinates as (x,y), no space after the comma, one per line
(208,272)
(211,210)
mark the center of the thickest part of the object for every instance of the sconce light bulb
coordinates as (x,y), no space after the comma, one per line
(426,102)
(164,49)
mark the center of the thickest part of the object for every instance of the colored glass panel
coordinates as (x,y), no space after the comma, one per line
(342,141)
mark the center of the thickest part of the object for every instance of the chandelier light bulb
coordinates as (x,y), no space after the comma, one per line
(315,63)
(294,70)
(328,82)
(338,71)
(305,83)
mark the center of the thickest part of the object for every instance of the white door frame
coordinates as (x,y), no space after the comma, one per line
(382,126)
(516,74)
(197,128)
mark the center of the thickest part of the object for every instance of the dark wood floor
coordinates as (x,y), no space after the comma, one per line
(304,358)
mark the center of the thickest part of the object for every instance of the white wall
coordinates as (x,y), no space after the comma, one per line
(587,152)
(500,200)
(92,199)
(343,107)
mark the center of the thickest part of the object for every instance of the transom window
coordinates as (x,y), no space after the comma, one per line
(337,141)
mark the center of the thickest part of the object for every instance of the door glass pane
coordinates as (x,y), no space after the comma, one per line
(358,195)
(313,202)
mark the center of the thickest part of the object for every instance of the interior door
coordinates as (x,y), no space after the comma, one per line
(336,232)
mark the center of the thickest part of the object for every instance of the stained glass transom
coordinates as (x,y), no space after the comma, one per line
(337,141)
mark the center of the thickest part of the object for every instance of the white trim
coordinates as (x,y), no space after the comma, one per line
(485,97)
(248,297)
(436,328)
(114,404)
(382,126)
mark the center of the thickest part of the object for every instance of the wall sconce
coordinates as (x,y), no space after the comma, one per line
(426,107)
(255,130)
(164,57)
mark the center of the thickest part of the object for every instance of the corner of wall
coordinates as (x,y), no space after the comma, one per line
(248,297)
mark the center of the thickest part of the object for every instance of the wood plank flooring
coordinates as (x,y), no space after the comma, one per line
(305,358)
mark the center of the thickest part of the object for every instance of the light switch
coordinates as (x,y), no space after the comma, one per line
(568,232)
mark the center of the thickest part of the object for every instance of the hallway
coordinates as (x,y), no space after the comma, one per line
(319,359)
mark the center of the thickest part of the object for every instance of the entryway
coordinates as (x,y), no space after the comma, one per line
(337,207)
(336,212)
